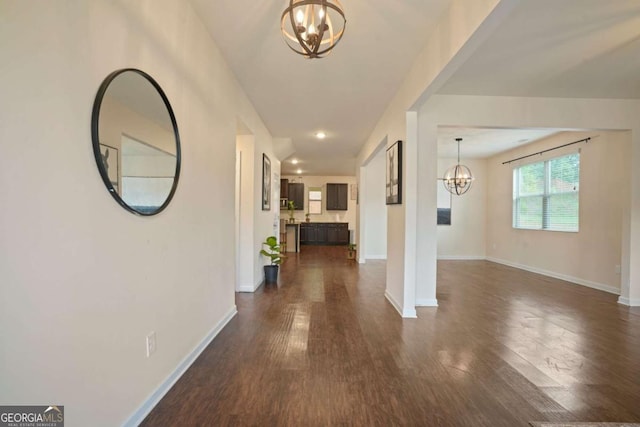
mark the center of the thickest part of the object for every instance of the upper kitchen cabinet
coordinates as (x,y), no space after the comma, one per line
(284,188)
(337,198)
(296,194)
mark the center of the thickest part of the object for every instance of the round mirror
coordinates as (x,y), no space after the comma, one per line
(135,141)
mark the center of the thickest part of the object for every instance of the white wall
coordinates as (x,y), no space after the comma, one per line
(326,216)
(83,280)
(482,218)
(562,113)
(265,221)
(465,238)
(373,198)
(590,256)
(247,280)
(463,27)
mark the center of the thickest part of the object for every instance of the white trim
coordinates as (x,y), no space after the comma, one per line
(405,313)
(462,257)
(150,402)
(393,302)
(426,302)
(409,313)
(250,288)
(362,260)
(629,302)
(375,257)
(575,280)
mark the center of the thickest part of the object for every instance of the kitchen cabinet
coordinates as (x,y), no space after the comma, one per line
(337,197)
(324,233)
(296,194)
(337,234)
(284,188)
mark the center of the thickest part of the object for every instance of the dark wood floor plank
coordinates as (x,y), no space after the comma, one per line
(325,348)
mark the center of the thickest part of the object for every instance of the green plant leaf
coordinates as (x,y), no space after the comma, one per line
(272,251)
(271,241)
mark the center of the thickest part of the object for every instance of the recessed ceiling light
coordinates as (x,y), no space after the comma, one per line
(299,171)
(294,161)
(321,135)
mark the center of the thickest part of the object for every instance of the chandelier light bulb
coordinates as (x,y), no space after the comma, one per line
(312,28)
(458,178)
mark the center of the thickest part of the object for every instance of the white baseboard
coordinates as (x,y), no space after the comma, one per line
(576,280)
(427,302)
(393,302)
(461,257)
(250,288)
(409,313)
(629,302)
(247,288)
(375,257)
(362,261)
(139,415)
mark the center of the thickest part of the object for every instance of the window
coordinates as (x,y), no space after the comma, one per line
(315,200)
(545,194)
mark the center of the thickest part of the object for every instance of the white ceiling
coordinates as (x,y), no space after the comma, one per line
(480,143)
(558,48)
(343,94)
(550,48)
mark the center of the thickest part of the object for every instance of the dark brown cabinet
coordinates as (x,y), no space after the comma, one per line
(324,233)
(337,234)
(304,234)
(284,188)
(337,197)
(296,194)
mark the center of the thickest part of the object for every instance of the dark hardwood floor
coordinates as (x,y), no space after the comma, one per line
(324,348)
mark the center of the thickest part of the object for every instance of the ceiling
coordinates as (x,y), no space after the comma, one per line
(558,48)
(480,143)
(548,48)
(343,94)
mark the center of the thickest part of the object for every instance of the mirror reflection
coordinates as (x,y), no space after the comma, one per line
(136,141)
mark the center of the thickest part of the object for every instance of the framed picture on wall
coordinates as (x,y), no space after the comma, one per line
(394,174)
(266,183)
(111,163)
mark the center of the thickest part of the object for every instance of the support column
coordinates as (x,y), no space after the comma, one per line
(427,243)
(630,278)
(410,200)
(361,215)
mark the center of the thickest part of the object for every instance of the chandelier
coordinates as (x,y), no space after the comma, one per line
(312,28)
(457,179)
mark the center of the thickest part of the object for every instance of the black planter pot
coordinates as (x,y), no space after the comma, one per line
(270,273)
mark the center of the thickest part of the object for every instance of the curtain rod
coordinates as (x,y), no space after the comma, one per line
(549,149)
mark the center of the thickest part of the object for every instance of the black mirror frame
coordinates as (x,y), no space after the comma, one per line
(95,117)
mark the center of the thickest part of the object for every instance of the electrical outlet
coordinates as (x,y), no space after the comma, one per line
(151,343)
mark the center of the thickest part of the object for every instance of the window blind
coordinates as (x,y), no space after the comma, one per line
(546,194)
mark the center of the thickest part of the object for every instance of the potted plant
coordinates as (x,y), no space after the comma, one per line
(351,251)
(306,217)
(292,211)
(272,251)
